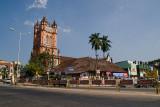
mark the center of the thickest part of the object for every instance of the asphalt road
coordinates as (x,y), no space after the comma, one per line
(20,96)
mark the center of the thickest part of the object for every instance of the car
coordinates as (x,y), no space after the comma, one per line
(7,80)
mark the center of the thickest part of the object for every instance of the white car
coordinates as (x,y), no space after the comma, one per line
(7,80)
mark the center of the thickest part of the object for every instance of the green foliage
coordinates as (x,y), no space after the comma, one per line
(95,41)
(38,63)
(105,45)
(98,42)
(155,62)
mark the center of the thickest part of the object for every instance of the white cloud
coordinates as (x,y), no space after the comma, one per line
(29,23)
(38,4)
(68,30)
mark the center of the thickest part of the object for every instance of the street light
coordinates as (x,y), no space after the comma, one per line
(20,34)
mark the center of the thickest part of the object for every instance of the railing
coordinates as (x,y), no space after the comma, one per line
(89,82)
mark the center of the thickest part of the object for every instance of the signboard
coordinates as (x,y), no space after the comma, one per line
(145,82)
(126,82)
(55,81)
(84,76)
(70,69)
(108,73)
(133,69)
(125,74)
(63,81)
(118,75)
(110,82)
(151,74)
(98,71)
(96,82)
(73,82)
(84,81)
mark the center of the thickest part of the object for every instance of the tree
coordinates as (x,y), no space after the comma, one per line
(105,45)
(38,63)
(95,42)
(155,63)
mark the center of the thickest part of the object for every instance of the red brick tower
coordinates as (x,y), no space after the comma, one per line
(45,39)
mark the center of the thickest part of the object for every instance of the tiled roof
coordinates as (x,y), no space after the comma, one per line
(86,64)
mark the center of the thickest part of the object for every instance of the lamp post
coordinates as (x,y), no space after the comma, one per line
(20,34)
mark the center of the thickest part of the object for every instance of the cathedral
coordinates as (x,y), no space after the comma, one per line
(45,40)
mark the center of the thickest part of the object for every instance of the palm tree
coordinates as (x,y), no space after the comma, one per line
(95,42)
(105,46)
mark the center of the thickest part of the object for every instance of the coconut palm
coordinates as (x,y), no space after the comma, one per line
(95,42)
(105,46)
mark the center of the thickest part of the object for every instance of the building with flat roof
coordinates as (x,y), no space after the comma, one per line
(134,69)
(128,66)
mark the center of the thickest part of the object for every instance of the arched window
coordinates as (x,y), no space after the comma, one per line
(46,39)
(50,40)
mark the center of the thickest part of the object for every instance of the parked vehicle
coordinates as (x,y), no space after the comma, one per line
(7,80)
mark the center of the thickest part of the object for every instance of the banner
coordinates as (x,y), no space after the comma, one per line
(118,75)
(108,73)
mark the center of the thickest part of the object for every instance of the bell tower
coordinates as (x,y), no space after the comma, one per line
(45,38)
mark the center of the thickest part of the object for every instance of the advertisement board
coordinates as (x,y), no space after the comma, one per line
(118,75)
(98,71)
(110,82)
(126,82)
(96,82)
(108,73)
(145,82)
(70,69)
(84,76)
(84,81)
(73,81)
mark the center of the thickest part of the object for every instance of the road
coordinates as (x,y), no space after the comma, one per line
(27,96)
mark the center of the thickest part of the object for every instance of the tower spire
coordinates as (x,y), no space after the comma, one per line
(54,23)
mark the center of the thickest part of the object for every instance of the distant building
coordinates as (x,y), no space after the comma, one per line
(15,63)
(4,65)
(134,69)
(142,67)
(130,67)
(45,40)
(108,58)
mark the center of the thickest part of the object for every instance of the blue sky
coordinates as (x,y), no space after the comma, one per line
(133,26)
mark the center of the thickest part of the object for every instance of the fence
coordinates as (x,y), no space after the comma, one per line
(88,82)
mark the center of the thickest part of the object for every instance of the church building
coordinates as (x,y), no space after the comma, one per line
(45,40)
